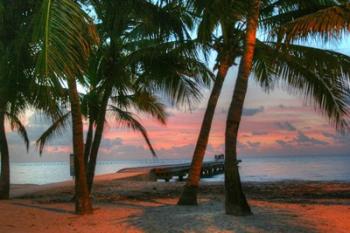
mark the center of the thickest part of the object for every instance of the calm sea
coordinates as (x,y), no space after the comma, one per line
(314,168)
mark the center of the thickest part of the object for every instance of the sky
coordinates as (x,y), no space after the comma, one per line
(273,124)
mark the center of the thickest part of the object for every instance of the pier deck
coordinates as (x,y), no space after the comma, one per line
(167,172)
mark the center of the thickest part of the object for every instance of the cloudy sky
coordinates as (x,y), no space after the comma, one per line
(274,124)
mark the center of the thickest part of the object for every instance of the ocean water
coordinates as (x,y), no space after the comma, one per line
(313,168)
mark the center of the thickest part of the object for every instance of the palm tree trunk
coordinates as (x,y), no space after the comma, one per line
(83,203)
(88,142)
(5,161)
(189,193)
(97,138)
(235,200)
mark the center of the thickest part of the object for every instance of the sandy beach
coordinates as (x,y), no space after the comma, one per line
(133,205)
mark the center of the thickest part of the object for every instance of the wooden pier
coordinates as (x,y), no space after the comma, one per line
(167,172)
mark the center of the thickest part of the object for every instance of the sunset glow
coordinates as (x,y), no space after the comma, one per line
(273,124)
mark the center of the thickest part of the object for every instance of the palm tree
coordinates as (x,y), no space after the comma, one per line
(145,43)
(120,108)
(235,200)
(323,81)
(63,35)
(15,64)
(213,14)
(143,51)
(5,158)
(274,13)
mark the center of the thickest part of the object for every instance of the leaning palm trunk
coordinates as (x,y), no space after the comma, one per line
(235,200)
(189,194)
(88,142)
(5,161)
(97,139)
(82,198)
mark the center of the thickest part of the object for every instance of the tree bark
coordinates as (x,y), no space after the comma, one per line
(83,203)
(88,142)
(5,161)
(235,200)
(190,190)
(97,138)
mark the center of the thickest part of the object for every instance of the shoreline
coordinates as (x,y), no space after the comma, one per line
(143,174)
(18,190)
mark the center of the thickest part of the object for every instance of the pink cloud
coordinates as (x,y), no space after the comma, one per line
(274,124)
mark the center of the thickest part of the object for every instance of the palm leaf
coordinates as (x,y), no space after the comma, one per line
(172,71)
(63,34)
(17,125)
(328,23)
(147,103)
(278,12)
(320,76)
(128,119)
(55,129)
(143,102)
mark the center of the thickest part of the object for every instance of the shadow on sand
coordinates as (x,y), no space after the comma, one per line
(210,217)
(41,207)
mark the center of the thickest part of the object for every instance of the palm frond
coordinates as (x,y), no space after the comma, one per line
(325,24)
(213,13)
(55,129)
(149,104)
(63,35)
(144,102)
(173,70)
(17,125)
(321,76)
(278,12)
(160,19)
(128,119)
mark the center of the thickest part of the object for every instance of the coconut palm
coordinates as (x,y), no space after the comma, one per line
(327,86)
(15,65)
(145,43)
(213,15)
(145,49)
(10,111)
(120,108)
(235,200)
(274,14)
(63,35)
(228,51)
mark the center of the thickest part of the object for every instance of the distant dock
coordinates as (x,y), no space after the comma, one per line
(167,172)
